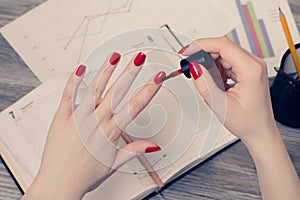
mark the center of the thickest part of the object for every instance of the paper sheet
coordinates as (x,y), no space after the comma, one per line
(59,34)
(24,127)
(263,35)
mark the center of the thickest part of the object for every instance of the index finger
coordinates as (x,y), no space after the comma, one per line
(139,101)
(242,62)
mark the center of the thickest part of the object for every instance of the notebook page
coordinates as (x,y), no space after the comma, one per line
(57,40)
(24,127)
(193,156)
(122,185)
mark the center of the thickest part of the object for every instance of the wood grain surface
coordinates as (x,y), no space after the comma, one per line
(228,175)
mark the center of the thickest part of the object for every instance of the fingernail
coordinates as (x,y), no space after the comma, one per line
(195,69)
(80,70)
(159,76)
(152,149)
(139,59)
(183,49)
(114,58)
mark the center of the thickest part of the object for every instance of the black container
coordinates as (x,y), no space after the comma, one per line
(285,95)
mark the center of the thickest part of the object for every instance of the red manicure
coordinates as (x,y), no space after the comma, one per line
(183,49)
(152,149)
(114,58)
(139,59)
(159,76)
(80,70)
(195,70)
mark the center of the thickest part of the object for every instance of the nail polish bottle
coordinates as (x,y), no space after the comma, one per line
(201,57)
(204,59)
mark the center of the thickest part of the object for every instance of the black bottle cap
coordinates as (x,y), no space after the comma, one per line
(201,57)
(184,64)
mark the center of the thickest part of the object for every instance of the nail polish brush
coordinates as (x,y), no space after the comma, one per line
(201,57)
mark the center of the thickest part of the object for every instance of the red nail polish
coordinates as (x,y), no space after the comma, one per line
(80,70)
(114,58)
(183,49)
(159,76)
(139,59)
(152,149)
(195,70)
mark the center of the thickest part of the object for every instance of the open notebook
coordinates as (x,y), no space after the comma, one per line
(24,126)
(177,119)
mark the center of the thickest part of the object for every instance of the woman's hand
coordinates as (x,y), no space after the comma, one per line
(248,112)
(82,145)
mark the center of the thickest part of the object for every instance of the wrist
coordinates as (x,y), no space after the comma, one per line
(45,188)
(276,174)
(263,146)
(263,134)
(264,140)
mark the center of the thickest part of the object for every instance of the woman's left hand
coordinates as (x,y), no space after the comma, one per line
(81,149)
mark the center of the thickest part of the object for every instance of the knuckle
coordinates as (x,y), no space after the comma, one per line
(111,132)
(263,63)
(260,65)
(259,69)
(118,94)
(98,91)
(68,95)
(137,105)
(108,71)
(205,94)
(225,39)
(151,89)
(67,98)
(69,90)
(134,149)
(132,73)
(203,89)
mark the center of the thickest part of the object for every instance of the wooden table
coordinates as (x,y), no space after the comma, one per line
(228,175)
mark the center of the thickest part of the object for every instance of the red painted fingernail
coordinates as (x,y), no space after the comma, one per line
(139,59)
(152,149)
(80,70)
(195,70)
(183,49)
(159,76)
(114,58)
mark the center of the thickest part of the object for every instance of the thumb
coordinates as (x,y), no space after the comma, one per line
(131,150)
(210,86)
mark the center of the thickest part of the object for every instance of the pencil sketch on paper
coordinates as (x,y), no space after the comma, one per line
(85,24)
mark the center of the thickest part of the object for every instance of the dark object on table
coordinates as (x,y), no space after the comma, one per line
(285,94)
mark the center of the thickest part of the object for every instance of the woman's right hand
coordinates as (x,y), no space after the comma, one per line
(247,113)
(248,106)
